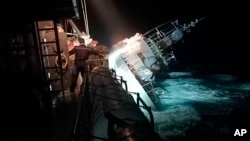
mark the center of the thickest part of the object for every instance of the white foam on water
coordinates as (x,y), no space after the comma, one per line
(174,121)
(182,95)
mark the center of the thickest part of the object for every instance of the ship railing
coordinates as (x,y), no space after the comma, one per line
(123,82)
(166,29)
(80,131)
(141,104)
(105,63)
(150,90)
(161,31)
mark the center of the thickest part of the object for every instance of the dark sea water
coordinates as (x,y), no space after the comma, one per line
(203,107)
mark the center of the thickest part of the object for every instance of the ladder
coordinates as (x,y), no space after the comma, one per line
(51,57)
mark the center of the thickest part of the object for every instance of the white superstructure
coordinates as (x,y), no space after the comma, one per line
(141,56)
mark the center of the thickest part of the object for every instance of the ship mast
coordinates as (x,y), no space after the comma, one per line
(85,16)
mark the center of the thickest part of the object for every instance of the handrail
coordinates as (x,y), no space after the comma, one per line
(78,128)
(80,106)
(144,105)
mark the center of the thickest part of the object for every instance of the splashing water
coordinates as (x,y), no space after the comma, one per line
(186,98)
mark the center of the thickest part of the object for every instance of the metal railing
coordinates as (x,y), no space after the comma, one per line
(82,125)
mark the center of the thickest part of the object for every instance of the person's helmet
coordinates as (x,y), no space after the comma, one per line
(81,40)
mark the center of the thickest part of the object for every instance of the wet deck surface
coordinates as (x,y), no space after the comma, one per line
(38,126)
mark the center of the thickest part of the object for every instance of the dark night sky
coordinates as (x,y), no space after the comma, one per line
(216,41)
(137,16)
